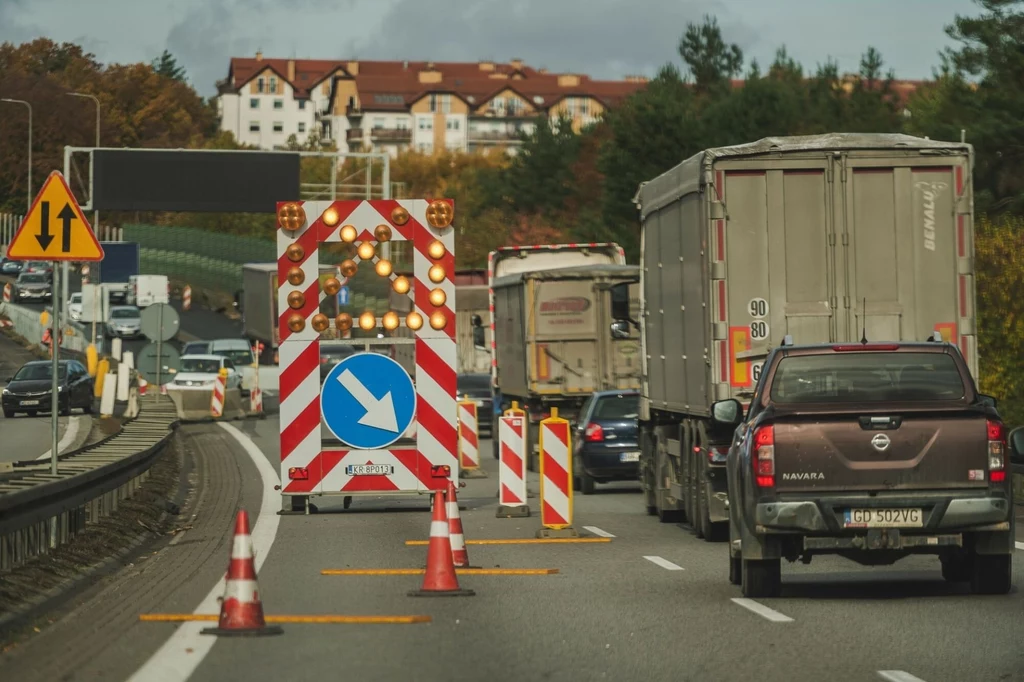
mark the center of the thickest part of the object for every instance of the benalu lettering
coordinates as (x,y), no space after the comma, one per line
(566,304)
(804,476)
(929,191)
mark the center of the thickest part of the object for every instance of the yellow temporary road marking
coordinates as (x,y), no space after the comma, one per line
(523,541)
(353,620)
(421,571)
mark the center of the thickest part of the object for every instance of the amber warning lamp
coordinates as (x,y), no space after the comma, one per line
(291,216)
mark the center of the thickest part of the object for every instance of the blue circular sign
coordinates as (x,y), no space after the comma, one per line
(368,401)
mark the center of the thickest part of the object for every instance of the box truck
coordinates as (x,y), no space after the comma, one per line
(825,238)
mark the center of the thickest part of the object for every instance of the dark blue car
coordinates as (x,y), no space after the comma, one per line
(605,445)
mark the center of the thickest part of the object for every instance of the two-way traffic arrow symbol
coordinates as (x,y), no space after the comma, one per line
(66,215)
(380,414)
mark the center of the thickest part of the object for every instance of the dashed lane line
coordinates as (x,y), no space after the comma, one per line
(898,676)
(597,531)
(1019,545)
(762,610)
(664,563)
(180,655)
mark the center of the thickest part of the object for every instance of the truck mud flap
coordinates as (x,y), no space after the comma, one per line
(883,538)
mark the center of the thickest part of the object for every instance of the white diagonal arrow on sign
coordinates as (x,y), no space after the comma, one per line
(380,414)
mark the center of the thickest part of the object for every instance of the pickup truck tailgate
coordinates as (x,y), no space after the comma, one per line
(881,452)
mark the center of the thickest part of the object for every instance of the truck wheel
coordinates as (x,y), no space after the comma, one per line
(991,573)
(956,568)
(762,577)
(735,570)
(646,477)
(665,515)
(711,532)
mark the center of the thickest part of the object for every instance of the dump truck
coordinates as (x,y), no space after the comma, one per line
(259,305)
(550,341)
(826,238)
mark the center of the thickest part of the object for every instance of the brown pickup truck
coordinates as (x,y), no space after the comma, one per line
(874,452)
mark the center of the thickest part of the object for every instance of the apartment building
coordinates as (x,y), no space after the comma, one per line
(395,105)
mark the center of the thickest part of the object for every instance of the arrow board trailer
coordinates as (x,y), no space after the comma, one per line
(367,402)
(821,238)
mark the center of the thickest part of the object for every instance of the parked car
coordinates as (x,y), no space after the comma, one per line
(241,355)
(605,443)
(11,267)
(75,306)
(125,321)
(198,372)
(32,286)
(478,388)
(30,389)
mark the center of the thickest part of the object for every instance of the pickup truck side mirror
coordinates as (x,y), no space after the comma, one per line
(727,413)
(1016,442)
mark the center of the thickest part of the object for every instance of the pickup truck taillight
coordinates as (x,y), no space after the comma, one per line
(593,433)
(996,451)
(764,456)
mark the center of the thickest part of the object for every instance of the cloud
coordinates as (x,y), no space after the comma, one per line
(603,38)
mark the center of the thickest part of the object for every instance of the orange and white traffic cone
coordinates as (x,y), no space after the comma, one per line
(142,385)
(241,611)
(460,557)
(440,579)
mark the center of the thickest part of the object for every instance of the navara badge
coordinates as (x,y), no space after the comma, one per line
(880,442)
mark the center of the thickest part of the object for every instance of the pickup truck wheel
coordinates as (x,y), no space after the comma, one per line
(991,573)
(762,577)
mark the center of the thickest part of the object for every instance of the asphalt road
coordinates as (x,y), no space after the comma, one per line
(653,604)
(24,437)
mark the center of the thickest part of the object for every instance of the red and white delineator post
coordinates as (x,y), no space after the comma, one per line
(217,397)
(7,293)
(186,298)
(255,394)
(469,441)
(308,468)
(512,467)
(555,478)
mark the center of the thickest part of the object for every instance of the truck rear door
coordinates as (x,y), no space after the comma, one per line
(904,265)
(562,323)
(875,421)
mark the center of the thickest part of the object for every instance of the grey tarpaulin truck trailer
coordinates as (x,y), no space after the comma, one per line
(820,237)
(553,343)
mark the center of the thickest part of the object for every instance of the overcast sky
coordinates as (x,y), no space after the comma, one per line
(604,38)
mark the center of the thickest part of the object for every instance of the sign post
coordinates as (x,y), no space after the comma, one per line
(55,230)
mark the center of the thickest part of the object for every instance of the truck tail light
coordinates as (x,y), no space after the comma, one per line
(297,473)
(715,453)
(764,456)
(996,451)
(593,433)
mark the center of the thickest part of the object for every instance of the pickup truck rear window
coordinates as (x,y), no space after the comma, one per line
(866,377)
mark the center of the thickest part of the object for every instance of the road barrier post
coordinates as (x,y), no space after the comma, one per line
(555,478)
(512,468)
(469,440)
(217,397)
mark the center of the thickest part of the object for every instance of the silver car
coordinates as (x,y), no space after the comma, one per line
(125,321)
(33,286)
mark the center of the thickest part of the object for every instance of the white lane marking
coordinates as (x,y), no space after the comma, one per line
(597,531)
(664,563)
(1019,545)
(70,433)
(898,676)
(762,610)
(180,655)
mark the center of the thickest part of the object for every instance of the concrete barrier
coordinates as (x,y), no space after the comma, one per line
(194,406)
(26,323)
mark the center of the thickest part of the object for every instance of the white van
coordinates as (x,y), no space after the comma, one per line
(240,353)
(145,290)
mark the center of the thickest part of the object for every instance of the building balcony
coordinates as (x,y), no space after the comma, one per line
(494,136)
(354,134)
(391,134)
(353,111)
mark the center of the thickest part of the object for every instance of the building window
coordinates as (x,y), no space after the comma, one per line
(278,127)
(426,124)
(401,124)
(577,107)
(273,84)
(260,85)
(279,104)
(378,123)
(302,105)
(254,103)
(426,147)
(440,103)
(302,127)
(254,126)
(453,124)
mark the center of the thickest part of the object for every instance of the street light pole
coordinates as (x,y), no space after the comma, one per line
(96,213)
(28,204)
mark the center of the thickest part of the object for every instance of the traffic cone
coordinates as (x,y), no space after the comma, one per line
(241,611)
(440,579)
(142,385)
(460,557)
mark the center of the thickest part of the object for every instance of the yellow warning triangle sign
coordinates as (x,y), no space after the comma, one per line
(55,228)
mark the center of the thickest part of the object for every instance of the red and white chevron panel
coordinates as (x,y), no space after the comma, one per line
(217,397)
(555,474)
(512,463)
(469,442)
(308,468)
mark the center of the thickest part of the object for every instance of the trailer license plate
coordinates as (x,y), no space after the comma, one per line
(884,518)
(629,457)
(369,469)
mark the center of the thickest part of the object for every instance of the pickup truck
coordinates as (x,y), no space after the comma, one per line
(871,451)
